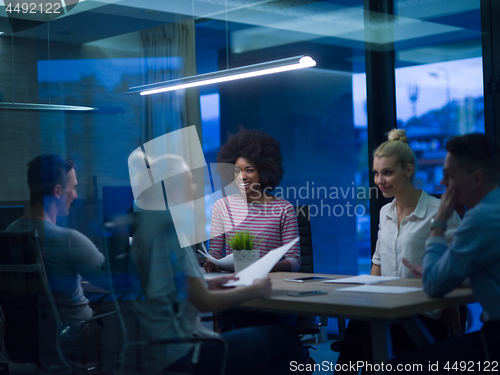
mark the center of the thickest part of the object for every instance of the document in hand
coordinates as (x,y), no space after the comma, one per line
(262,267)
(226,263)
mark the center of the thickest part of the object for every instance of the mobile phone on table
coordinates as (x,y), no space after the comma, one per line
(308,279)
(306,293)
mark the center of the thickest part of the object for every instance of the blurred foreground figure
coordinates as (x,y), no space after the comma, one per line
(176,292)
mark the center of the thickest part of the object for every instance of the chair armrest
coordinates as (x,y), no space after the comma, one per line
(67,328)
(95,317)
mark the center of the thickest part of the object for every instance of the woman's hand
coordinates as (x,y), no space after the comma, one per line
(210,267)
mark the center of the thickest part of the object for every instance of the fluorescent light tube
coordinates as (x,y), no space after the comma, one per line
(283,65)
(43,107)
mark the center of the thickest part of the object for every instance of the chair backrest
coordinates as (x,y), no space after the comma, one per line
(306,248)
(31,328)
(23,285)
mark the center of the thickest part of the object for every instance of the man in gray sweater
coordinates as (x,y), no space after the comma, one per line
(68,254)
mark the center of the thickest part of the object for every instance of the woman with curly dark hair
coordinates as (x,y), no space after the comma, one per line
(272,220)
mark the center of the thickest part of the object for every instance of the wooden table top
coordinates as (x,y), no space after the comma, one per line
(352,304)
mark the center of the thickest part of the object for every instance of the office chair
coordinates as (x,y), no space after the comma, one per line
(306,324)
(309,324)
(134,351)
(31,329)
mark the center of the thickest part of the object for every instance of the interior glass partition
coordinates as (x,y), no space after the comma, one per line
(439,85)
(92,54)
(439,81)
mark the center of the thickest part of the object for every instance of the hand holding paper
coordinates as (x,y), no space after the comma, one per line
(262,267)
(226,263)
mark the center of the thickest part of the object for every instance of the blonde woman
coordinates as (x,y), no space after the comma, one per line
(405,225)
(405,222)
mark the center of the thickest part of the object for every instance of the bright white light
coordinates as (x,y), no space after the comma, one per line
(304,62)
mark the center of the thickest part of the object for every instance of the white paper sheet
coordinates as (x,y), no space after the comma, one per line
(226,263)
(362,279)
(262,267)
(380,289)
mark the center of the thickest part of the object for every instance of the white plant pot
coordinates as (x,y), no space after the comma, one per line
(243,258)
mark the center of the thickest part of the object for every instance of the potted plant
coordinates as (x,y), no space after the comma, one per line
(244,252)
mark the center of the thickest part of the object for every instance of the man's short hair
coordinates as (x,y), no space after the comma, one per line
(44,173)
(477,151)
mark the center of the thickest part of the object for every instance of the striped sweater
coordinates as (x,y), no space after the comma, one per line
(273,224)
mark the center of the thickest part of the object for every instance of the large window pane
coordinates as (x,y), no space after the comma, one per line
(439,85)
(439,81)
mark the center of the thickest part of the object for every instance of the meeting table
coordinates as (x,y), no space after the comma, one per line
(379,309)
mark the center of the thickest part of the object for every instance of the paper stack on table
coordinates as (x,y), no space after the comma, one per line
(367,280)
(362,279)
(380,289)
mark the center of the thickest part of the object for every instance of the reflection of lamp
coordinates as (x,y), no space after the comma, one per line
(232,74)
(37,106)
(448,96)
(43,107)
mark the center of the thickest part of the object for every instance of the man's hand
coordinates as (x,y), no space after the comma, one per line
(217,282)
(451,319)
(416,269)
(447,205)
(210,267)
(264,286)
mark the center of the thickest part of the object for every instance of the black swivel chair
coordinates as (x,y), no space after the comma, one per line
(306,324)
(31,329)
(306,248)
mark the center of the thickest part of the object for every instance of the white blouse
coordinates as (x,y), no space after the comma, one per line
(407,241)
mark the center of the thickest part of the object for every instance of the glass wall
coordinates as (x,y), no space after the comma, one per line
(92,54)
(439,81)
(439,86)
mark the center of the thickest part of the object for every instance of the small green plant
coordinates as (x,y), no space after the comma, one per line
(241,241)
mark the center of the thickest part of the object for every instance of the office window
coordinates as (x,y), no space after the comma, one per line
(439,85)
(439,81)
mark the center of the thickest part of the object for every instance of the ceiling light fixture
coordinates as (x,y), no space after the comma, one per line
(37,106)
(43,107)
(276,66)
